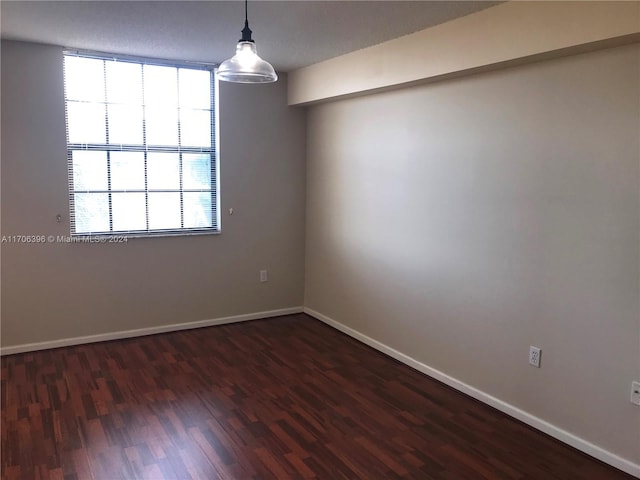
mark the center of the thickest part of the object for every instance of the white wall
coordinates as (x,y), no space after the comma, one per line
(58,291)
(462,221)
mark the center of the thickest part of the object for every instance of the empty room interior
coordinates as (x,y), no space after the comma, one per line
(403,242)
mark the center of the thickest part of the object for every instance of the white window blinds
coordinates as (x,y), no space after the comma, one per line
(140,146)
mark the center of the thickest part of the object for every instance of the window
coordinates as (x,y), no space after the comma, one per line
(140,146)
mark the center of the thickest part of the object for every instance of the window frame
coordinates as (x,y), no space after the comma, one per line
(212,151)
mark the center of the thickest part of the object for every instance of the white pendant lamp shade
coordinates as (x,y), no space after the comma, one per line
(246,66)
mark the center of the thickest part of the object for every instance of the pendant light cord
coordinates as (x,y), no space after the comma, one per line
(246,31)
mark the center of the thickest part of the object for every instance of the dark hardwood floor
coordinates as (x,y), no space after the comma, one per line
(273,399)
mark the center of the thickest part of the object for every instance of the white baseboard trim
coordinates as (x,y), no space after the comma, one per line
(531,420)
(139,332)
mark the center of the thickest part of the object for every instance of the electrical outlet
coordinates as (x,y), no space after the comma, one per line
(635,393)
(534,356)
(264,276)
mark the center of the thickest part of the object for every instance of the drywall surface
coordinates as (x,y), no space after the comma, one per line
(512,32)
(462,221)
(56,290)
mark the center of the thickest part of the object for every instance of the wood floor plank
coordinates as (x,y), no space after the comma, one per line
(281,398)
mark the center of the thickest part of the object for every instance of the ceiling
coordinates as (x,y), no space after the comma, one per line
(289,34)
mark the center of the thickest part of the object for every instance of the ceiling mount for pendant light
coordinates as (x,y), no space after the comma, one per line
(246,66)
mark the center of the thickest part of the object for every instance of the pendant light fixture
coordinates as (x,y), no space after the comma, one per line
(246,66)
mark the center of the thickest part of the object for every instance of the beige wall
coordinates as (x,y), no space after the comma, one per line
(58,291)
(510,33)
(462,221)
